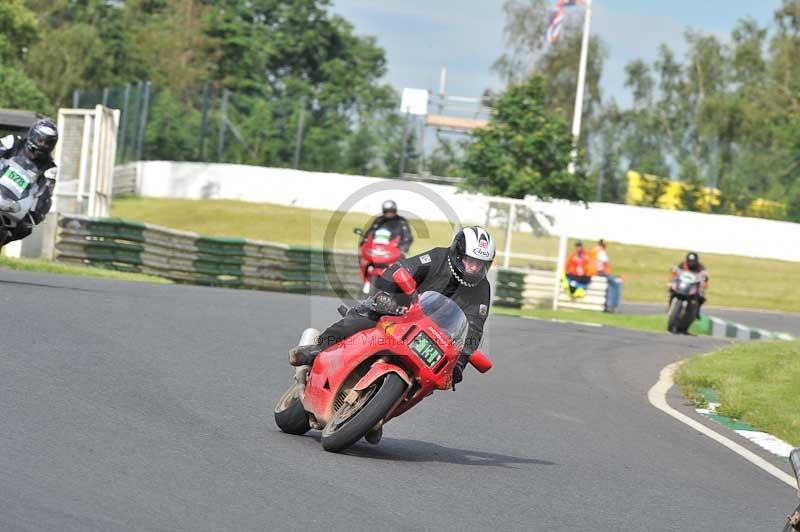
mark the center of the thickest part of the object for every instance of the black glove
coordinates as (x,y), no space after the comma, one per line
(383,304)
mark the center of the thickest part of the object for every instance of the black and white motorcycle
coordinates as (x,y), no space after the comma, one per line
(19,192)
(684,301)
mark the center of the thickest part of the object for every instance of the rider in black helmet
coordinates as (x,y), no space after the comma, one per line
(692,263)
(393,222)
(37,146)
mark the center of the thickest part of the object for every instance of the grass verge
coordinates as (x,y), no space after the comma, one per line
(735,281)
(756,382)
(43,266)
(639,322)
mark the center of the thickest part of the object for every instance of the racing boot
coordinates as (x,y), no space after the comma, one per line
(304,355)
(374,435)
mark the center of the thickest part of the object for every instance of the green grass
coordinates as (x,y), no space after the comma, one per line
(735,281)
(757,382)
(43,266)
(639,322)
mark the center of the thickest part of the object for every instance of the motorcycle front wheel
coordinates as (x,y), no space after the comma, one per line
(688,317)
(674,315)
(352,421)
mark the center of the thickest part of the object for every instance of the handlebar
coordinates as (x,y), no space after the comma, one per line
(480,361)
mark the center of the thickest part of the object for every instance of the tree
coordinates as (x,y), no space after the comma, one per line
(19,31)
(524,150)
(446,159)
(18,91)
(71,57)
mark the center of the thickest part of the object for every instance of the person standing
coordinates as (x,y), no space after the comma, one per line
(601,266)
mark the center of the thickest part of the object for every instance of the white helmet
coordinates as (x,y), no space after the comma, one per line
(471,255)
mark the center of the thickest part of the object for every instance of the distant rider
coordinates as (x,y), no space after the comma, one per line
(692,263)
(37,146)
(393,222)
(457,272)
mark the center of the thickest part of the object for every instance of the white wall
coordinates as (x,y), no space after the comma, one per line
(616,223)
(313,190)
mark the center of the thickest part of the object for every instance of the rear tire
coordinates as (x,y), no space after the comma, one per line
(290,416)
(339,434)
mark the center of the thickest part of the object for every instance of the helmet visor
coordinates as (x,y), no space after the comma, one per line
(474,269)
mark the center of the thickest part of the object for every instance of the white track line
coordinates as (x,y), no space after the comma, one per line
(658,398)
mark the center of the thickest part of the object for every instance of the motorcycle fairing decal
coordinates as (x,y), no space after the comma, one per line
(15,181)
(426,349)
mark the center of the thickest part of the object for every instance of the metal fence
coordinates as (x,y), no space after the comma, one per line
(212,124)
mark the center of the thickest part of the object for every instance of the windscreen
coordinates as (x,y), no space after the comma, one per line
(382,236)
(447,315)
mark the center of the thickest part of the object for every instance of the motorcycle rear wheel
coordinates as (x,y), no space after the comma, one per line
(290,415)
(351,422)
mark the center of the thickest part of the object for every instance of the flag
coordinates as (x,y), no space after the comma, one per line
(554,28)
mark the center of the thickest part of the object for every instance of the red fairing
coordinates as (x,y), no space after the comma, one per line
(405,281)
(412,346)
(480,361)
(375,258)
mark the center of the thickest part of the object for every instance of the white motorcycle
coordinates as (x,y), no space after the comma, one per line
(19,192)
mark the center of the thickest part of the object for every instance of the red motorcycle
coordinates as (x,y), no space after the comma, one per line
(378,251)
(354,387)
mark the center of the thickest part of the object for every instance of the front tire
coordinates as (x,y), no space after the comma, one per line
(688,317)
(674,315)
(351,422)
(290,416)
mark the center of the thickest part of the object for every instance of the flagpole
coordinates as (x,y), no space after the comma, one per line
(576,118)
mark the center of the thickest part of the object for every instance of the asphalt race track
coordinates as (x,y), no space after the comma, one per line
(127,406)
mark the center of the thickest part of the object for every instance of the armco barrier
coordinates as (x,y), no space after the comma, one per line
(215,261)
(519,288)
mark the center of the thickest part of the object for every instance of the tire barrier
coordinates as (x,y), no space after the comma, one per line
(519,288)
(186,257)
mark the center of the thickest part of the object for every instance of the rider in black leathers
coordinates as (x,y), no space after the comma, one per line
(458,272)
(394,223)
(37,147)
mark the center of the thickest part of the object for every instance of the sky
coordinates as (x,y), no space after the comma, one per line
(466,36)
